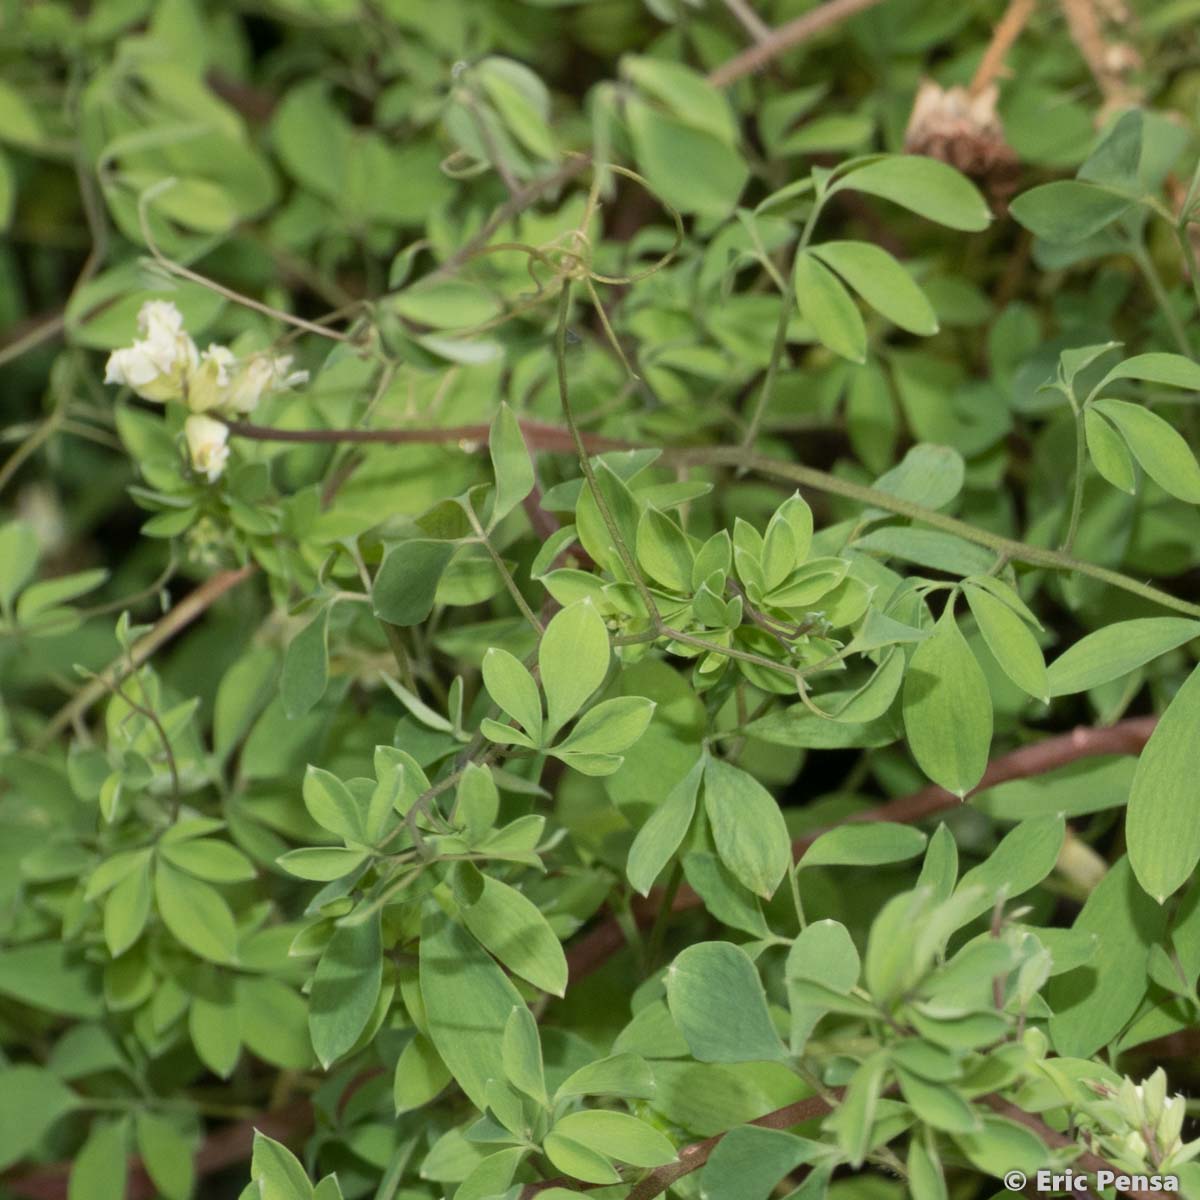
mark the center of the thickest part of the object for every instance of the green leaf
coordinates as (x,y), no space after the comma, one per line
(491,1178)
(1171,369)
(663,551)
(931,476)
(1161,450)
(1068,210)
(823,953)
(306,667)
(273,1022)
(277,1171)
(854,1119)
(579,1161)
(523,100)
(18,559)
(948,709)
(209,859)
(513,928)
(688,168)
(882,282)
(512,687)
(1003,1145)
(618,1075)
(52,977)
(938,1106)
(31,1100)
(749,1162)
(1108,452)
(939,871)
(243,693)
(331,804)
(477,801)
(864,845)
(407,581)
(925,1178)
(616,1135)
(923,185)
(1162,823)
(663,833)
(1086,786)
(196,914)
(747,827)
(213,1026)
(608,727)
(687,93)
(1010,641)
(826,305)
(166,1153)
(345,988)
(1024,857)
(1093,1003)
(718,1004)
(420,1075)
(468,1000)
(1115,650)
(19,122)
(321,863)
(126,910)
(511,464)
(522,1053)
(446,304)
(48,594)
(101,1167)
(573,659)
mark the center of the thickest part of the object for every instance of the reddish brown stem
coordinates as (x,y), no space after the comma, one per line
(1125,737)
(786,37)
(538,436)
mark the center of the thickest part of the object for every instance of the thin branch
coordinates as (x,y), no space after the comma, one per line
(1007,30)
(749,20)
(183,614)
(787,37)
(540,436)
(1089,1161)
(43,331)
(692,1158)
(226,1147)
(1034,556)
(232,1144)
(509,209)
(1126,737)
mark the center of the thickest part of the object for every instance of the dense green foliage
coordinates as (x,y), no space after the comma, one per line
(546,581)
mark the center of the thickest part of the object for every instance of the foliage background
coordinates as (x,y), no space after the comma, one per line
(354,164)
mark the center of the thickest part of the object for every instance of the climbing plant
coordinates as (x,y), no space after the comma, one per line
(598,596)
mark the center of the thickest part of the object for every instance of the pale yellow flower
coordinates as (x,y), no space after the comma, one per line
(207,445)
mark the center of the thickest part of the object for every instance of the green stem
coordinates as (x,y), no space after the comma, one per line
(767,391)
(1035,556)
(1077,492)
(509,582)
(794,884)
(585,463)
(1189,254)
(779,348)
(662,918)
(1148,269)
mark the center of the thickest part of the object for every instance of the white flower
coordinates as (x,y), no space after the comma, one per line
(206,441)
(157,365)
(260,374)
(208,383)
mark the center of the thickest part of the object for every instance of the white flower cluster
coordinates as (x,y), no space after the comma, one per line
(164,364)
(1141,1124)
